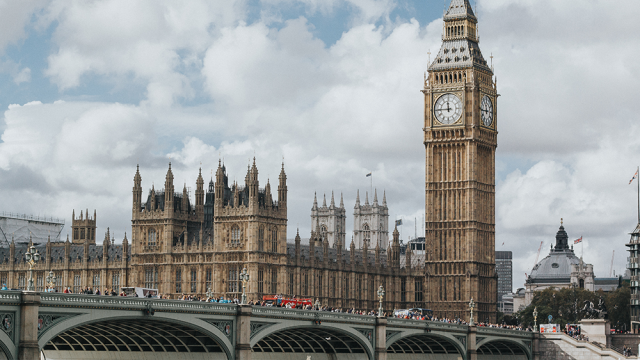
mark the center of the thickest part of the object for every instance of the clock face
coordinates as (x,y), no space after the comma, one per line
(486,111)
(448,109)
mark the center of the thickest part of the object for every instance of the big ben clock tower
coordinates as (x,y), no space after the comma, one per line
(460,137)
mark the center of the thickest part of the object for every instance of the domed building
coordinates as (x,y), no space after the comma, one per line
(559,269)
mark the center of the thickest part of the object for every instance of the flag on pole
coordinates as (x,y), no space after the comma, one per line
(525,275)
(369,174)
(634,177)
(502,244)
(399,222)
(576,241)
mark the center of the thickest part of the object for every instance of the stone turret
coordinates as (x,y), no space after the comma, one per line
(168,192)
(83,229)
(297,244)
(185,199)
(137,193)
(200,196)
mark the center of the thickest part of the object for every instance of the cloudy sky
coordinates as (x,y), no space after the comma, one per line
(90,89)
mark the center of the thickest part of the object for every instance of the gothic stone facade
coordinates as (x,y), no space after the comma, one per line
(75,265)
(330,220)
(371,222)
(460,138)
(185,249)
(180,248)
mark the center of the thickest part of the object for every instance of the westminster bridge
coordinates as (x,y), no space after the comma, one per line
(69,326)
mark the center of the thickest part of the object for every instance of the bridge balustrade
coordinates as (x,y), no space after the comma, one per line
(61,325)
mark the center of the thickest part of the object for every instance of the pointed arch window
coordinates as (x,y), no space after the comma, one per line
(366,233)
(274,239)
(261,238)
(235,235)
(152,237)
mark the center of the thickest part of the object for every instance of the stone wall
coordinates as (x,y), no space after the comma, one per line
(563,347)
(630,340)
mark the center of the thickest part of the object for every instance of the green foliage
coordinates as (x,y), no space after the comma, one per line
(565,305)
(618,307)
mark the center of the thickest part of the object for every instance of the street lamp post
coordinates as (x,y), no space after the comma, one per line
(535,319)
(471,306)
(51,281)
(32,256)
(244,277)
(380,297)
(317,304)
(209,294)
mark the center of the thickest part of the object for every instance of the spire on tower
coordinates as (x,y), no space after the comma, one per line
(366,198)
(333,203)
(384,198)
(324,200)
(459,9)
(315,201)
(375,197)
(341,201)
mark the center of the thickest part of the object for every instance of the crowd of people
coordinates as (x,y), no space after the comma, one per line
(570,330)
(574,332)
(458,321)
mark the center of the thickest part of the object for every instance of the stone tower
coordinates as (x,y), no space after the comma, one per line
(250,230)
(330,220)
(83,228)
(371,222)
(460,137)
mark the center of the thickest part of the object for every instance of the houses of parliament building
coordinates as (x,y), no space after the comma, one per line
(179,246)
(182,246)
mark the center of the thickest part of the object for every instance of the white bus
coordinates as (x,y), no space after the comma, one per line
(140,292)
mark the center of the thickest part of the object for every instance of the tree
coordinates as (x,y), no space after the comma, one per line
(564,305)
(617,303)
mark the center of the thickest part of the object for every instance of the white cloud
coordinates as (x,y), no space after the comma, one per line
(149,40)
(23,76)
(566,74)
(14,16)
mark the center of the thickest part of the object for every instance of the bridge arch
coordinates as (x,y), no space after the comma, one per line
(339,340)
(502,348)
(407,343)
(5,351)
(136,333)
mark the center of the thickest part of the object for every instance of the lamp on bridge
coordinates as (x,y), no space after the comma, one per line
(32,256)
(209,294)
(244,277)
(535,319)
(51,281)
(380,296)
(471,306)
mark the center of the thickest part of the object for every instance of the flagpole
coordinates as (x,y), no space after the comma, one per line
(638,169)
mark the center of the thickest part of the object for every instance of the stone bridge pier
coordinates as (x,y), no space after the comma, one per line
(70,326)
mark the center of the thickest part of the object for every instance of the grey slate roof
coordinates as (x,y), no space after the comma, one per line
(57,252)
(606,284)
(460,53)
(555,267)
(459,9)
(416,260)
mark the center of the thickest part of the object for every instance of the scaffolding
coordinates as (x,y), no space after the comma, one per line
(25,227)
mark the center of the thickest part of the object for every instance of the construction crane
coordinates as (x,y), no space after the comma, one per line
(611,268)
(537,256)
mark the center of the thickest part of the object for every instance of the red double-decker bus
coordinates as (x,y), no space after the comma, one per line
(275,300)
